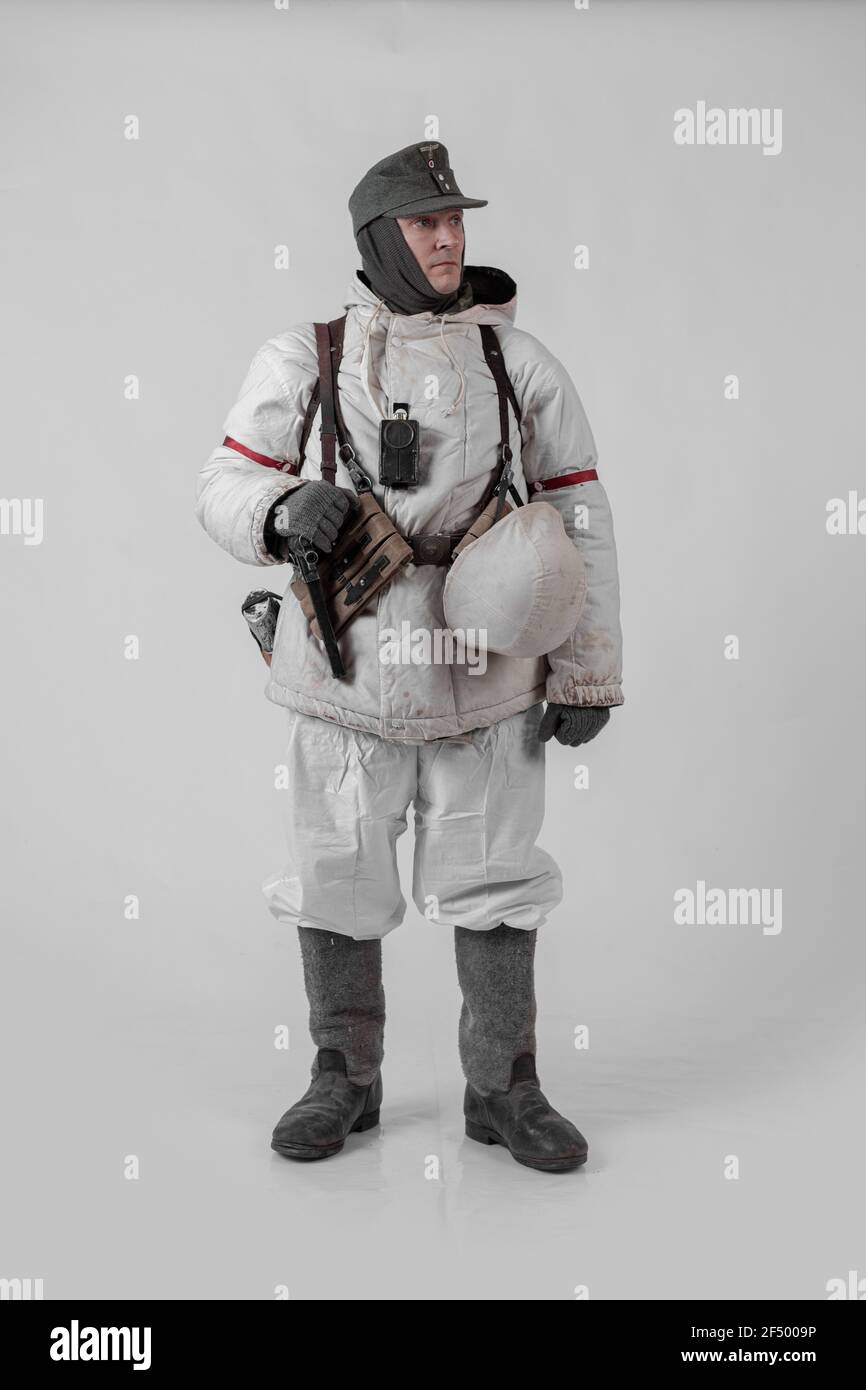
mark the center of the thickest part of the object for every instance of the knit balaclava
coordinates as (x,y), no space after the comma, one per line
(393,273)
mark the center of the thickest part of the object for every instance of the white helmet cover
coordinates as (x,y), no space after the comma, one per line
(523,583)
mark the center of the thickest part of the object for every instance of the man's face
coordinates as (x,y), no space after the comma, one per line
(436,239)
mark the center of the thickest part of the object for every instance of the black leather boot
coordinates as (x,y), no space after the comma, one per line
(332,1107)
(503,1102)
(523,1120)
(343,981)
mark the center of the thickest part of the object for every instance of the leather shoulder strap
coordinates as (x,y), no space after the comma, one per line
(337,331)
(329,348)
(493,357)
(328,428)
(504,481)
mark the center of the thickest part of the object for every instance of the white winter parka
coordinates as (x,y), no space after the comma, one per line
(437,364)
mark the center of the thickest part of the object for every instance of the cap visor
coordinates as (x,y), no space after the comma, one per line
(438,203)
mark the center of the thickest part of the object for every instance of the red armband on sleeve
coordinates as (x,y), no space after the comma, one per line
(282,464)
(587,475)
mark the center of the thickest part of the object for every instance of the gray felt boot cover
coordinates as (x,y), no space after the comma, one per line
(343,980)
(495,970)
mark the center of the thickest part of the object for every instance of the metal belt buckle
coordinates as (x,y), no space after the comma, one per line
(432,550)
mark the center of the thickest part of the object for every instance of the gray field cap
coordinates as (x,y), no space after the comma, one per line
(418,178)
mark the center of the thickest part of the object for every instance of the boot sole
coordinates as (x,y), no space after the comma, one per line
(483,1135)
(307,1153)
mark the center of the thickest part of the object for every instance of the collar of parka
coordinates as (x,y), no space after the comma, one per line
(494,300)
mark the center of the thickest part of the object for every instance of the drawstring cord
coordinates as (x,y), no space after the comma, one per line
(367,363)
(456,365)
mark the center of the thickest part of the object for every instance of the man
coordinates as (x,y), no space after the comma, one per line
(464,745)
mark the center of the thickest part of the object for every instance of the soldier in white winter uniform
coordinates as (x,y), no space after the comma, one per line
(461,740)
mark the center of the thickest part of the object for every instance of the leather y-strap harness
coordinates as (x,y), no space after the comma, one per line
(434,549)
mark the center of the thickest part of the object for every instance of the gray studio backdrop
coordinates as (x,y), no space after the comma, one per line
(716,339)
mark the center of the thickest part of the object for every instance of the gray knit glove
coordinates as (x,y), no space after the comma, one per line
(311,514)
(573,724)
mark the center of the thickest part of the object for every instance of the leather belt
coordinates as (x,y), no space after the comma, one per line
(436,548)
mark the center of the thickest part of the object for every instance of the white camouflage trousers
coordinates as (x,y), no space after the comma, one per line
(478,808)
